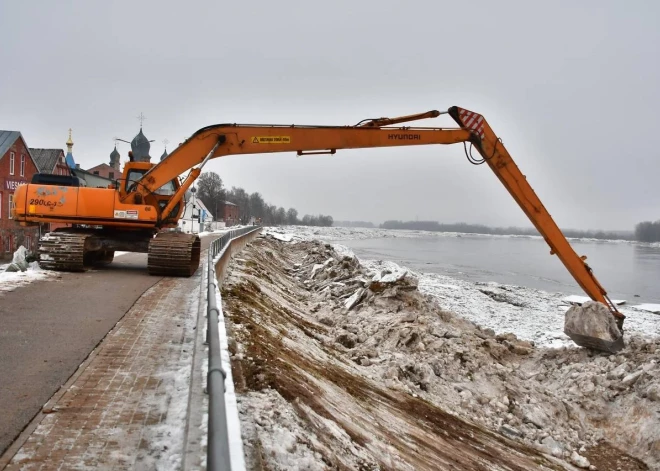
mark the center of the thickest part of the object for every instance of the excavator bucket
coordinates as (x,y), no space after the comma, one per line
(593,326)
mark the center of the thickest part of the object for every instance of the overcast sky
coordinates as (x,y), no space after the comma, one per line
(571,87)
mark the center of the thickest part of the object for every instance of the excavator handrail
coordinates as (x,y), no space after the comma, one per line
(229,139)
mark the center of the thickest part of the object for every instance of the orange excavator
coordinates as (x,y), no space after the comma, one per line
(139,213)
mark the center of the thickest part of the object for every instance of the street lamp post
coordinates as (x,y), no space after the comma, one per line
(193,190)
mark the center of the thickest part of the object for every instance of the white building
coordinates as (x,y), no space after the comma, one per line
(196,217)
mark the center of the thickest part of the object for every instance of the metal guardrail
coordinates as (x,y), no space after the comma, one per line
(218,440)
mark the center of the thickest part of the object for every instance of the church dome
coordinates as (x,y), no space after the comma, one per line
(140,147)
(114,158)
(162,157)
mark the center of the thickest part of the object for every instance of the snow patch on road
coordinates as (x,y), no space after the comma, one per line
(9,281)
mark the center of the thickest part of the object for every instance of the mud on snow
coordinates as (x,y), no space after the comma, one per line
(340,366)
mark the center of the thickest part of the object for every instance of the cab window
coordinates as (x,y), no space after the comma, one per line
(168,189)
(133,176)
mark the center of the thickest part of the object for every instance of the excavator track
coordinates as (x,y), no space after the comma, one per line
(63,251)
(174,254)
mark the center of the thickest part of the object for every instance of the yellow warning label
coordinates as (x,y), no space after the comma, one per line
(271,140)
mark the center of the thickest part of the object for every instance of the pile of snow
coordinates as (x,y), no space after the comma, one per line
(21,272)
(374,323)
(531,314)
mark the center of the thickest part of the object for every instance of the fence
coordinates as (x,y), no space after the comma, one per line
(218,439)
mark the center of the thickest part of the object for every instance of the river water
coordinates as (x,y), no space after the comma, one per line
(628,271)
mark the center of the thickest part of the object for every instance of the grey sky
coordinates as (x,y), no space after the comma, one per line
(572,88)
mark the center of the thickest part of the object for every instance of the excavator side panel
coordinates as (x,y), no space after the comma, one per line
(97,203)
(36,203)
(46,200)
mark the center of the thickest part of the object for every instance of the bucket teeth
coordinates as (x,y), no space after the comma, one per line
(593,343)
(174,254)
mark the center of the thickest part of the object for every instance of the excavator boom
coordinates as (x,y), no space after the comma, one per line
(229,139)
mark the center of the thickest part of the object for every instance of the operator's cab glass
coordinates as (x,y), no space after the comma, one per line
(132,178)
(168,189)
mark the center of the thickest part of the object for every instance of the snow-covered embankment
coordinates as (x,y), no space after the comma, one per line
(338,365)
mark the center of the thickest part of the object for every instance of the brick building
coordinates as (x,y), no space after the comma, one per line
(16,167)
(229,212)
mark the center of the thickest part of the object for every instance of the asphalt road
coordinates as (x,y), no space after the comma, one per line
(48,328)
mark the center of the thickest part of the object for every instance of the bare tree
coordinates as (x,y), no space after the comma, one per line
(292,216)
(211,191)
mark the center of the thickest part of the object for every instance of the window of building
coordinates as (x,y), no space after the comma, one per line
(112,174)
(11,163)
(28,243)
(8,244)
(96,172)
(11,201)
(0,205)
(22,165)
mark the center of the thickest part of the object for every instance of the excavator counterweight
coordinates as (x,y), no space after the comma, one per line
(139,213)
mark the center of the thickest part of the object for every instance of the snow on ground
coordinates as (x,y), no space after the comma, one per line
(343,364)
(530,314)
(165,439)
(9,281)
(654,308)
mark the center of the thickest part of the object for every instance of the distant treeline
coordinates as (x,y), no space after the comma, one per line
(353,224)
(648,231)
(211,190)
(435,226)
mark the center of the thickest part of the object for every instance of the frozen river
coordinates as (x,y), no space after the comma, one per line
(627,271)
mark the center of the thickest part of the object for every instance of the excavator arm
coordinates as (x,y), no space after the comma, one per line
(227,139)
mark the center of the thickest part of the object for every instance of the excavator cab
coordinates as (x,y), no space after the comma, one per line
(160,198)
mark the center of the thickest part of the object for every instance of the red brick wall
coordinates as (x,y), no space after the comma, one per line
(12,235)
(230,214)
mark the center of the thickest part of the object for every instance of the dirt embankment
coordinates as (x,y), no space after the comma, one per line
(340,368)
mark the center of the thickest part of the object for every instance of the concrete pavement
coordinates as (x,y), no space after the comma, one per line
(48,328)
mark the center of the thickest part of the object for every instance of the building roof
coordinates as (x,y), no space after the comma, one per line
(46,159)
(69,160)
(7,138)
(102,166)
(90,179)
